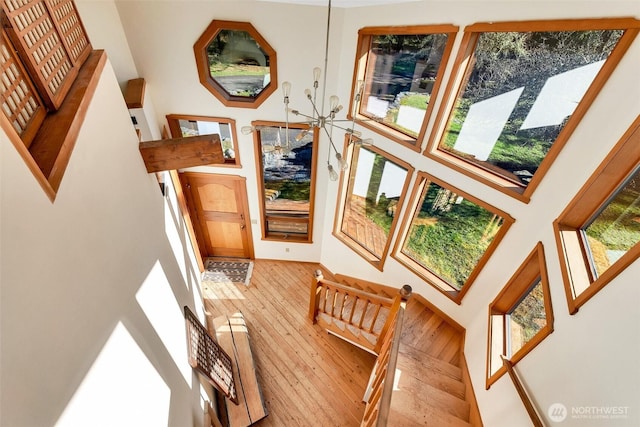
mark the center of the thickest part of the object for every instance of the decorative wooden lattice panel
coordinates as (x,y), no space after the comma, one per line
(208,357)
(20,102)
(70,27)
(50,40)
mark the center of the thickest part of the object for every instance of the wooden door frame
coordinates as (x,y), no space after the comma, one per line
(198,248)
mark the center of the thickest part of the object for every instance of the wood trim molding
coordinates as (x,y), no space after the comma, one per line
(343,190)
(461,69)
(423,179)
(50,151)
(579,282)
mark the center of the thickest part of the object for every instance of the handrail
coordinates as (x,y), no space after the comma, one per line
(380,389)
(522,392)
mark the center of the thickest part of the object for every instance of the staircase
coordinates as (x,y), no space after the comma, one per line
(430,386)
(427,392)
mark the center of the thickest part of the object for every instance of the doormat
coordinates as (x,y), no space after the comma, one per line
(225,271)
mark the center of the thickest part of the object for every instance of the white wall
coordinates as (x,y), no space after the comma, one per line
(587,361)
(93,287)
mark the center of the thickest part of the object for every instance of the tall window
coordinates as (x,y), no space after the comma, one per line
(520,317)
(520,89)
(598,234)
(401,69)
(372,195)
(287,170)
(185,125)
(447,236)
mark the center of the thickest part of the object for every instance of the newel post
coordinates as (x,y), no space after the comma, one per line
(314,298)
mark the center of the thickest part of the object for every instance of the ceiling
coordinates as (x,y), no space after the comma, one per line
(341,3)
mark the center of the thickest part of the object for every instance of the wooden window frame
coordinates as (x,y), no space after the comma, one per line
(264,218)
(518,286)
(415,201)
(174,128)
(343,188)
(204,73)
(463,65)
(579,283)
(365,36)
(46,142)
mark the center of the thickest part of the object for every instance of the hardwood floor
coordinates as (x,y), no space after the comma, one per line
(308,377)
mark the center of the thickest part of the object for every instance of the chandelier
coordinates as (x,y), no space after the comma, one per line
(317,120)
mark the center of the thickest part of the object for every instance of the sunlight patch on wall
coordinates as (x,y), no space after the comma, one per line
(177,234)
(159,304)
(121,388)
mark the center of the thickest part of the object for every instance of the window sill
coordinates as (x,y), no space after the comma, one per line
(49,153)
(479,174)
(445,288)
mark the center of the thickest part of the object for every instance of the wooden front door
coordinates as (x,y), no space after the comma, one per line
(219,211)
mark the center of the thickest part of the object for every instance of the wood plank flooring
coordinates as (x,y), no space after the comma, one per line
(308,377)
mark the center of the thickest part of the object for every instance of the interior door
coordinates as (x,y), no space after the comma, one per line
(219,209)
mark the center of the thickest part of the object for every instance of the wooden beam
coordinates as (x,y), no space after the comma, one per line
(177,153)
(134,93)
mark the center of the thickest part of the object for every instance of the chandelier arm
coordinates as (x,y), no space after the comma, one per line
(311,119)
(316,112)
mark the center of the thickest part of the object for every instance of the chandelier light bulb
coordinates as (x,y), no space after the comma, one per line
(302,134)
(333,102)
(316,75)
(333,175)
(286,89)
(247,130)
(342,164)
(308,93)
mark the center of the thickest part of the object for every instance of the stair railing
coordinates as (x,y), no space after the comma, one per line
(522,392)
(380,388)
(360,313)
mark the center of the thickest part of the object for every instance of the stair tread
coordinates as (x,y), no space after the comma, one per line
(432,376)
(412,393)
(425,416)
(420,360)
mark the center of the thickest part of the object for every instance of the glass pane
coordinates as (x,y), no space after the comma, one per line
(287,166)
(615,229)
(521,91)
(399,79)
(497,342)
(449,234)
(374,189)
(238,63)
(527,318)
(196,128)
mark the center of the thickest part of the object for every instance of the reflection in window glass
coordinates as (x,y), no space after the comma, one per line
(199,127)
(400,77)
(527,318)
(449,234)
(521,91)
(616,228)
(238,63)
(287,171)
(374,190)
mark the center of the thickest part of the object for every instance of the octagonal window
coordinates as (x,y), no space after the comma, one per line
(236,64)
